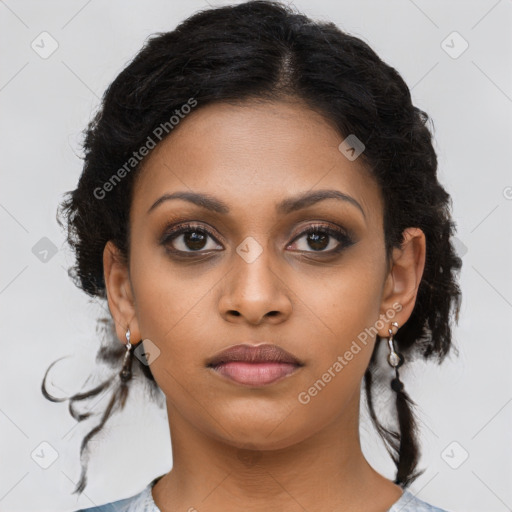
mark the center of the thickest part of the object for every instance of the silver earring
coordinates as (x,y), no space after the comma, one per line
(126,371)
(395,360)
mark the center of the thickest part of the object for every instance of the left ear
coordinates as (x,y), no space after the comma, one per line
(404,277)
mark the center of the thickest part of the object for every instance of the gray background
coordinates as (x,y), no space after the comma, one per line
(464,405)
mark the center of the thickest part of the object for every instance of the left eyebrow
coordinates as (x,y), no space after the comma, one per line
(308,198)
(284,207)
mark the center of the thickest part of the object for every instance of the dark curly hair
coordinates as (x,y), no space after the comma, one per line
(266,51)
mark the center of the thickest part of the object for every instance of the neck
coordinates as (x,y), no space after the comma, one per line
(327,467)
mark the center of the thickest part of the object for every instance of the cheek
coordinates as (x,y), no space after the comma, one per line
(344,301)
(168,312)
(349,308)
(169,297)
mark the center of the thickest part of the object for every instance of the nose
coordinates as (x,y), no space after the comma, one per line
(254,293)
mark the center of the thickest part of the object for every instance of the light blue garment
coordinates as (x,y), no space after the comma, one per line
(143,502)
(410,503)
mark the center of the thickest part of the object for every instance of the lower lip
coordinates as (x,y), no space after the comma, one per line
(255,374)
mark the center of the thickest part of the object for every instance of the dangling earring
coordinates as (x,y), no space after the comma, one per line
(395,360)
(126,371)
(404,442)
(117,401)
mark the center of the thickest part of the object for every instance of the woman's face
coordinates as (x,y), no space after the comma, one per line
(257,277)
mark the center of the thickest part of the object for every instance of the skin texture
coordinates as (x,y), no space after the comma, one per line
(258,448)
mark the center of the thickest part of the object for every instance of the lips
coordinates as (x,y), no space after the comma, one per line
(254,365)
(263,353)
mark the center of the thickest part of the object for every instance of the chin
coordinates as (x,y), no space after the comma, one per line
(264,434)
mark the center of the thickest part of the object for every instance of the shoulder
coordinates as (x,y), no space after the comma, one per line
(410,503)
(141,502)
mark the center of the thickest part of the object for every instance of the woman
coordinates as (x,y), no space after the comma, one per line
(260,208)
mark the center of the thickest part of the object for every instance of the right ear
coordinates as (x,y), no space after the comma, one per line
(119,293)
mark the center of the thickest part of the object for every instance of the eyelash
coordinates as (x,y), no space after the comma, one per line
(344,239)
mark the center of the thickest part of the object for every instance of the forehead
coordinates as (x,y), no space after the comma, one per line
(253,155)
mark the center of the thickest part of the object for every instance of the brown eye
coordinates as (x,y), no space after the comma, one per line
(194,240)
(323,239)
(190,238)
